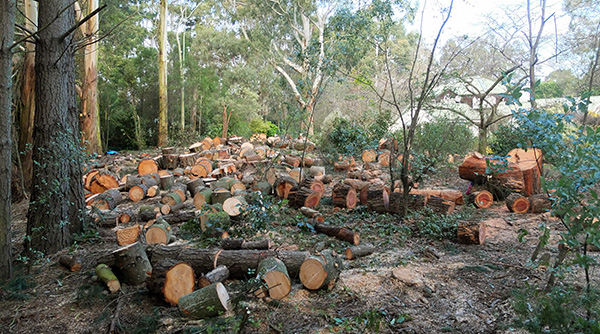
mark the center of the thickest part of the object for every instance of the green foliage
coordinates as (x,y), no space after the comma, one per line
(15,288)
(257,125)
(505,139)
(351,137)
(549,89)
(442,137)
(440,226)
(90,294)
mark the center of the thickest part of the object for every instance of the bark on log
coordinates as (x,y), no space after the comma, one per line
(453,195)
(202,198)
(482,199)
(378,200)
(159,233)
(274,273)
(73,263)
(172,199)
(317,171)
(283,185)
(152,191)
(304,198)
(187,160)
(517,203)
(166,182)
(439,205)
(311,213)
(133,263)
(132,181)
(540,203)
(238,261)
(243,244)
(148,212)
(106,275)
(314,185)
(107,200)
(344,196)
(321,270)
(337,232)
(218,275)
(220,195)
(207,302)
(359,251)
(415,202)
(470,233)
(170,161)
(171,280)
(264,187)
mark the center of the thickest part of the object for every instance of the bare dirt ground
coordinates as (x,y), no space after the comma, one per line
(412,283)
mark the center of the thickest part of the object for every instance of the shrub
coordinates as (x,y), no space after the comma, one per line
(505,139)
(257,125)
(442,137)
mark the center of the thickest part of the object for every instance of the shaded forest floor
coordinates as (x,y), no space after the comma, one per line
(419,280)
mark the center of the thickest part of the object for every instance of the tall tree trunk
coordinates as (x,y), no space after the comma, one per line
(28,97)
(194,110)
(163,122)
(7,26)
(181,50)
(89,99)
(56,152)
(483,131)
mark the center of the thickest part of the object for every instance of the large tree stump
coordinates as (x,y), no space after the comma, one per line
(337,232)
(159,232)
(239,262)
(274,273)
(344,196)
(471,233)
(133,263)
(482,199)
(106,275)
(172,280)
(321,270)
(517,203)
(540,203)
(304,198)
(218,275)
(359,251)
(207,302)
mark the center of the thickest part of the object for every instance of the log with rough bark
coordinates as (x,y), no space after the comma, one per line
(292,160)
(378,200)
(517,203)
(138,193)
(132,181)
(171,280)
(304,197)
(107,200)
(166,209)
(297,174)
(314,185)
(344,164)
(439,205)
(344,196)
(415,202)
(166,182)
(187,160)
(170,161)
(530,161)
(283,185)
(482,199)
(73,263)
(263,187)
(202,198)
(133,263)
(273,272)
(471,233)
(106,275)
(362,189)
(359,251)
(317,171)
(147,166)
(540,203)
(313,214)
(239,262)
(159,233)
(218,275)
(207,302)
(220,195)
(104,218)
(243,244)
(369,156)
(453,195)
(172,198)
(321,270)
(128,235)
(148,212)
(337,232)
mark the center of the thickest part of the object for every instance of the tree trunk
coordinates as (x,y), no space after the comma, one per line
(194,110)
(337,232)
(7,21)
(163,116)
(57,190)
(28,97)
(482,140)
(89,96)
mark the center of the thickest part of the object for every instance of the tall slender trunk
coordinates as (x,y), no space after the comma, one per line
(7,22)
(163,121)
(194,110)
(57,190)
(28,97)
(181,50)
(89,99)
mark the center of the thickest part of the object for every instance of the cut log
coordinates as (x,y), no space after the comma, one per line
(344,164)
(344,196)
(243,244)
(337,232)
(292,160)
(362,189)
(234,206)
(147,166)
(297,174)
(195,147)
(125,216)
(540,203)
(236,187)
(369,156)
(202,198)
(171,199)
(148,212)
(195,184)
(239,262)
(384,158)
(133,263)
(359,251)
(138,193)
(321,270)
(166,182)
(187,160)
(470,233)
(153,191)
(311,213)
(326,179)
(378,200)
(218,275)
(439,205)
(517,203)
(132,181)
(220,195)
(171,280)
(207,302)
(453,195)
(482,199)
(106,275)
(166,209)
(317,171)
(159,233)
(128,235)
(263,186)
(314,185)
(304,197)
(170,161)
(107,200)
(274,273)
(167,150)
(105,218)
(415,203)
(283,185)
(72,263)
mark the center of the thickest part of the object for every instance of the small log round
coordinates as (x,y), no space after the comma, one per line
(274,273)
(470,233)
(517,203)
(321,270)
(483,199)
(152,191)
(207,302)
(203,197)
(234,206)
(108,277)
(147,166)
(128,235)
(359,251)
(171,199)
(138,193)
(72,263)
(172,280)
(159,233)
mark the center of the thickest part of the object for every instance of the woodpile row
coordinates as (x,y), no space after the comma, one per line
(211,181)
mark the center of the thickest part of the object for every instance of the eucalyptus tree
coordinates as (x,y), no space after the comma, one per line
(163,114)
